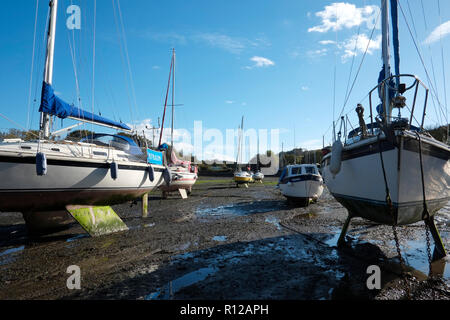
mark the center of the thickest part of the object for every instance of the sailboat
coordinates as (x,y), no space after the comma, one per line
(239,176)
(258,175)
(390,171)
(41,178)
(183,173)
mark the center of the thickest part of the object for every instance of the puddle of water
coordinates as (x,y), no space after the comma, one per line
(176,285)
(275,221)
(416,256)
(242,209)
(80,236)
(308,215)
(220,238)
(12,250)
(8,259)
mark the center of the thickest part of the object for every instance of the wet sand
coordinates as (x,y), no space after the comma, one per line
(222,242)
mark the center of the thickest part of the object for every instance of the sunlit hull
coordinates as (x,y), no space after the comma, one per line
(75,175)
(360,187)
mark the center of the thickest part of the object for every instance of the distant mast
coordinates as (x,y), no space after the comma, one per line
(48,72)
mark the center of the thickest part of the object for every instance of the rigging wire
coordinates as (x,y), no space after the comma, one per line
(41,63)
(433,91)
(93,61)
(125,44)
(123,60)
(443,67)
(431,59)
(32,66)
(412,20)
(360,65)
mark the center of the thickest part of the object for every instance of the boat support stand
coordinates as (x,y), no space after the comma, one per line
(341,240)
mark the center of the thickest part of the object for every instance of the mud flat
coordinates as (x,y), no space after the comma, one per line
(222,242)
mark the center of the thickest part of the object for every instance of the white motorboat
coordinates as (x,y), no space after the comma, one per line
(390,171)
(42,177)
(301,183)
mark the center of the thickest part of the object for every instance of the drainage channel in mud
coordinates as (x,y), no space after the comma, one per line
(270,254)
(243,209)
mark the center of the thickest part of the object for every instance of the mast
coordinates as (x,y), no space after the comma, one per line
(173,95)
(242,137)
(385,53)
(48,72)
(165,103)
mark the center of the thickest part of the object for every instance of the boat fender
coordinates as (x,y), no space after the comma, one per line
(151,173)
(114,170)
(336,153)
(41,164)
(167,176)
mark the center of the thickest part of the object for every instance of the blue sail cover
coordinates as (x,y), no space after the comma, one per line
(55,106)
(395,41)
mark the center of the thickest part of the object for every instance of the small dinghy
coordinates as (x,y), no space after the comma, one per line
(258,176)
(301,183)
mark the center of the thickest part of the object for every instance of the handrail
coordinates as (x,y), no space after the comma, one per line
(385,83)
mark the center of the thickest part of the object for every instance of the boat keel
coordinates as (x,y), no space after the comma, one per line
(97,221)
(341,240)
(439,249)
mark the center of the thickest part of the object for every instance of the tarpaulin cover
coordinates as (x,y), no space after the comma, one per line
(55,106)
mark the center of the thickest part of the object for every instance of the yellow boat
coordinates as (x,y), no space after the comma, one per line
(242,177)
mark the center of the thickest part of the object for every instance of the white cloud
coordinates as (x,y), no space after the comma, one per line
(233,45)
(317,53)
(359,44)
(304,88)
(345,15)
(156,67)
(229,102)
(262,62)
(311,144)
(325,42)
(438,33)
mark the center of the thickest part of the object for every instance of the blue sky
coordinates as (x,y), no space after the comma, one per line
(271,61)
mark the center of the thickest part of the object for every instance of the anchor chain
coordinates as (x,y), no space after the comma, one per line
(425,217)
(394,224)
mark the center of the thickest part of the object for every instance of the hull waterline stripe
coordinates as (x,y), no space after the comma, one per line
(71,163)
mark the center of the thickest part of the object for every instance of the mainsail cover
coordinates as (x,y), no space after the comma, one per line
(55,106)
(395,41)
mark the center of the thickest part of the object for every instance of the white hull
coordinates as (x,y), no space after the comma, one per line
(302,190)
(180,180)
(360,184)
(76,174)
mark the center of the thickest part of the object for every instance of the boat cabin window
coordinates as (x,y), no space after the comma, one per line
(309,170)
(296,171)
(117,142)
